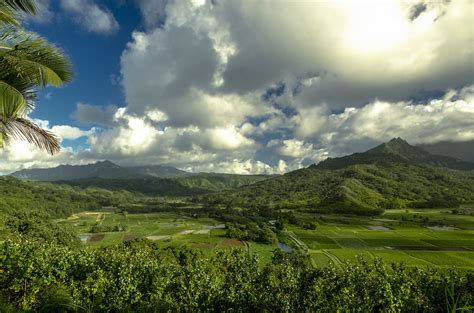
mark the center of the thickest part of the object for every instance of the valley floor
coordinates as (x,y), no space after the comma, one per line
(433,237)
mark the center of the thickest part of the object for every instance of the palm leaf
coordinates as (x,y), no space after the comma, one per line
(31,57)
(23,129)
(11,10)
(26,6)
(12,101)
(37,73)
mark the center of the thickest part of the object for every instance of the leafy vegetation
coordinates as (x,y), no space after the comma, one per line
(181,186)
(363,184)
(252,232)
(139,277)
(55,200)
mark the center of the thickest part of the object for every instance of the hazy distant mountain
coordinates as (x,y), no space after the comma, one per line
(104,169)
(399,150)
(461,150)
(160,171)
(149,180)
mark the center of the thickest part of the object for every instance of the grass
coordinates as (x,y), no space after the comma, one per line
(337,239)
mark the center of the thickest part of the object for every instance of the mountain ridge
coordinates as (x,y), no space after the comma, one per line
(391,175)
(396,150)
(101,169)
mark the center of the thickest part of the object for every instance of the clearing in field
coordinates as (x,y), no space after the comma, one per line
(231,243)
(154,238)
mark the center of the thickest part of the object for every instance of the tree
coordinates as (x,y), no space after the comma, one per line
(27,62)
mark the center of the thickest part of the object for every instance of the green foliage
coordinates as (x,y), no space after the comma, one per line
(365,189)
(311,225)
(139,277)
(108,228)
(53,199)
(251,232)
(27,62)
(37,226)
(180,186)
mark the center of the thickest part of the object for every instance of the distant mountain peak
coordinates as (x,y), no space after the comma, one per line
(396,150)
(397,142)
(106,164)
(399,147)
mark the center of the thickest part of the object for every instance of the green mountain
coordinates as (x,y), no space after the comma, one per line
(104,169)
(459,150)
(160,171)
(57,200)
(397,150)
(180,186)
(392,175)
(152,180)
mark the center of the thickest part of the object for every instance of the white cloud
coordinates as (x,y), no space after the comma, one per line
(19,154)
(69,132)
(90,114)
(91,16)
(352,74)
(448,118)
(64,131)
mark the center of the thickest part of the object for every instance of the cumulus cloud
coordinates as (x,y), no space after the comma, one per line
(447,118)
(91,16)
(90,114)
(21,154)
(311,79)
(358,52)
(269,86)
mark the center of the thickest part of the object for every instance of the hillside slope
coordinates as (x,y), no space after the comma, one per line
(104,169)
(363,183)
(181,186)
(396,150)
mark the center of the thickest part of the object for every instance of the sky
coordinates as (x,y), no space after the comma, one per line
(251,86)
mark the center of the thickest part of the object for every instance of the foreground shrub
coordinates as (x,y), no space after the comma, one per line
(137,276)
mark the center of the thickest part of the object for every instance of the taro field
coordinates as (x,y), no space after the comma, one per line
(435,238)
(165,229)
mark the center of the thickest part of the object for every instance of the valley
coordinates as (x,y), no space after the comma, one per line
(431,237)
(392,216)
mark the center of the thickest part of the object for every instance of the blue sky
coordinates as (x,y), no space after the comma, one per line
(255,86)
(96,57)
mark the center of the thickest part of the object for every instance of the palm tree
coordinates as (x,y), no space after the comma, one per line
(27,62)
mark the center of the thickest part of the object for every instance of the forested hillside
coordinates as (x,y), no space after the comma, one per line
(181,186)
(54,199)
(390,176)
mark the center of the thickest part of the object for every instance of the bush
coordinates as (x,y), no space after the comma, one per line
(138,276)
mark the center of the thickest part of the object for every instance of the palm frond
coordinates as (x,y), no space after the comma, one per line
(31,57)
(12,101)
(11,11)
(26,6)
(23,129)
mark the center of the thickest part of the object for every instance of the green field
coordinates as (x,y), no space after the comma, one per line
(397,236)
